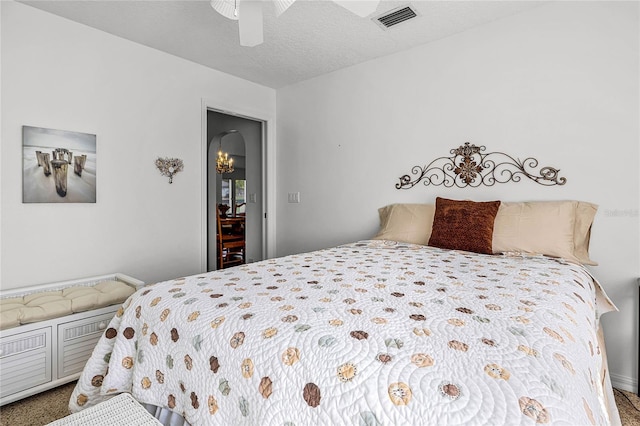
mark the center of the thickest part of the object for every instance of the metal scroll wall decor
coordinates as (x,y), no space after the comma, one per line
(470,166)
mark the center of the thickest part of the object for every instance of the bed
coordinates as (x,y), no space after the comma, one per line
(375,332)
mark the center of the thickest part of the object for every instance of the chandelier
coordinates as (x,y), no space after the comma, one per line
(224,164)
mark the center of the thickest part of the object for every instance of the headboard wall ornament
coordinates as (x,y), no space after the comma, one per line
(470,166)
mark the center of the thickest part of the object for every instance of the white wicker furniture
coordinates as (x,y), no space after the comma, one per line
(42,355)
(119,410)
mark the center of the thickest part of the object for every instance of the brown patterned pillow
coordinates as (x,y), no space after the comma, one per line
(464,225)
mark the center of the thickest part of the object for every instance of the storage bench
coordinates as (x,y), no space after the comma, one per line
(119,410)
(42,355)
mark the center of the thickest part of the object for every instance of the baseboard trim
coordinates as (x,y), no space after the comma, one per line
(623,382)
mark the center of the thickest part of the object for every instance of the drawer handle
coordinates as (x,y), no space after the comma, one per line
(102,325)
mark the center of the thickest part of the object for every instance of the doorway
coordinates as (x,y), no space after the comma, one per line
(241,139)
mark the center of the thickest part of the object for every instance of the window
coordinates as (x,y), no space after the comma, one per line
(236,198)
(226,184)
(240,196)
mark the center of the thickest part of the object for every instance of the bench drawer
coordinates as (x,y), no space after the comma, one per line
(76,340)
(25,360)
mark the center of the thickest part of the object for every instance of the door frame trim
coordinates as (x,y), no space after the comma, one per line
(268,172)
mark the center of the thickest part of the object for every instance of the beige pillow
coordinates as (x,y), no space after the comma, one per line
(406,223)
(585,213)
(553,228)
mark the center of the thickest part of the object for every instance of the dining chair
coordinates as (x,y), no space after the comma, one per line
(231,244)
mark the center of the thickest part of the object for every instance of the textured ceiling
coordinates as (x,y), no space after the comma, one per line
(311,38)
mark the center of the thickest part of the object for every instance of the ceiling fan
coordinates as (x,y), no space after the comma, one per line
(248,13)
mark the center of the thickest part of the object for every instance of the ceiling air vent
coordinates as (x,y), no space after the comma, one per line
(395,16)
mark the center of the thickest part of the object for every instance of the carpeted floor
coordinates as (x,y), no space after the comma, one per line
(48,406)
(629,405)
(38,409)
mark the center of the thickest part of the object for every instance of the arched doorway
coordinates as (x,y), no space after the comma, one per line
(241,139)
(231,198)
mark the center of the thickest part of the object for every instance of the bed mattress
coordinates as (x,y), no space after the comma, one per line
(368,333)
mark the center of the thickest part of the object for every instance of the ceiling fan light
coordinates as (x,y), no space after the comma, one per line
(226,8)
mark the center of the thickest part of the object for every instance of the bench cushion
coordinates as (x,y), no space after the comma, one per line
(54,304)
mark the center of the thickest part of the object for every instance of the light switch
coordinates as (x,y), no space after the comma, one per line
(294,197)
(252,197)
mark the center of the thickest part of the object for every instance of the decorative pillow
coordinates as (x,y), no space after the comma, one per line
(553,228)
(464,225)
(406,223)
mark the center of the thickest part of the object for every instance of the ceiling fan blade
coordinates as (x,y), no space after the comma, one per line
(250,22)
(226,8)
(282,5)
(361,8)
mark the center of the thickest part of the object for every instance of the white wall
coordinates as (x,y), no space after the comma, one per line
(0,136)
(141,104)
(558,82)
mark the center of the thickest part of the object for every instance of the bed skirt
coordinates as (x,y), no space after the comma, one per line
(166,416)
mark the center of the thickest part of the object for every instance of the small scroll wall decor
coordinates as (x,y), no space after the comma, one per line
(470,166)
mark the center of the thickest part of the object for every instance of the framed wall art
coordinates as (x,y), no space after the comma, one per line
(58,166)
